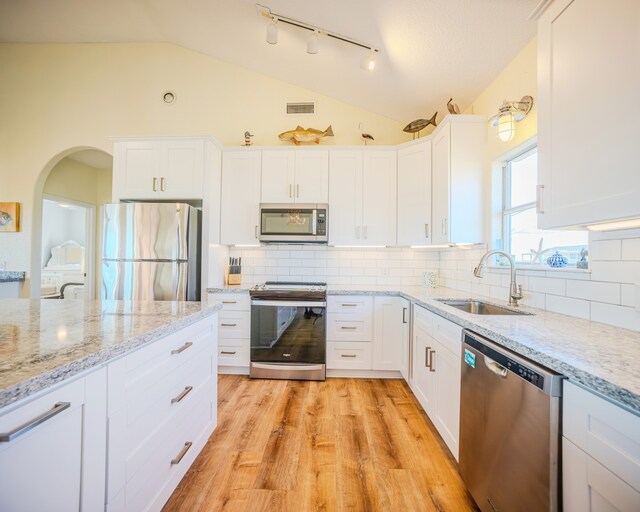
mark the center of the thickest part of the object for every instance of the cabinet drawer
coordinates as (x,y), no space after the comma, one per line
(145,486)
(606,432)
(348,356)
(232,301)
(232,355)
(360,304)
(341,327)
(448,334)
(234,324)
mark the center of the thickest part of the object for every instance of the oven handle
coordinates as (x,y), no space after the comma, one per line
(293,303)
(288,367)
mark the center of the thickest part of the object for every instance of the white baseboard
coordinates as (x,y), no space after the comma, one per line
(365,374)
(233,370)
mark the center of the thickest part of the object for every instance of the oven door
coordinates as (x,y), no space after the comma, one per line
(288,339)
(291,223)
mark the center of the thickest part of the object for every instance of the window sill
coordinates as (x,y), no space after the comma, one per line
(541,268)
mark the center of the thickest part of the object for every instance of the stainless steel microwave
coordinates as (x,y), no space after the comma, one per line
(293,223)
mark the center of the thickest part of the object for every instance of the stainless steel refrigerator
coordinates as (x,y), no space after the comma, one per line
(151,251)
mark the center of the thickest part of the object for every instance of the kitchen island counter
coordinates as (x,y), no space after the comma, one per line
(44,342)
(601,357)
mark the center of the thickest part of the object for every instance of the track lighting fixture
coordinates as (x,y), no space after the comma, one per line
(368,63)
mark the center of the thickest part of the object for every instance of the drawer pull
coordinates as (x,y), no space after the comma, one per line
(347,355)
(226,353)
(23,429)
(182,348)
(182,453)
(228,325)
(349,305)
(184,393)
(346,328)
(229,302)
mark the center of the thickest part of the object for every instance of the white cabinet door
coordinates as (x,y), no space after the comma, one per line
(135,166)
(590,487)
(181,169)
(240,201)
(414,194)
(424,378)
(441,167)
(312,177)
(59,464)
(278,176)
(379,195)
(447,416)
(389,344)
(588,56)
(345,198)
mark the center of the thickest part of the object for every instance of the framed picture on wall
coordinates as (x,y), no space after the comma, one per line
(9,217)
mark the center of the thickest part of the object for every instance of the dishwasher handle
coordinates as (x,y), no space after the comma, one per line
(496,368)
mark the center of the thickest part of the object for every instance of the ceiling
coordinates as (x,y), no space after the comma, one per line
(430,49)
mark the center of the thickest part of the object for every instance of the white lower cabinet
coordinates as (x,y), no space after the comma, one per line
(390,334)
(162,403)
(52,449)
(234,331)
(437,346)
(600,454)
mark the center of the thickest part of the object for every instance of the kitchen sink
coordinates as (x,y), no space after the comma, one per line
(477,307)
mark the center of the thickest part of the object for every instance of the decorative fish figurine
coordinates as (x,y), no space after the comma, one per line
(301,134)
(5,218)
(452,107)
(420,124)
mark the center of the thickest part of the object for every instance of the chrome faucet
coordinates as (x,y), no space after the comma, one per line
(515,290)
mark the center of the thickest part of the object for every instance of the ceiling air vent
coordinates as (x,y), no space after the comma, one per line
(305,107)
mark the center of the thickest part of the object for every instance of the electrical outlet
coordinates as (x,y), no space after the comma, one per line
(385,272)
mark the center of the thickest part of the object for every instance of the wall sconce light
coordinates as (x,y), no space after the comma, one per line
(509,113)
(368,63)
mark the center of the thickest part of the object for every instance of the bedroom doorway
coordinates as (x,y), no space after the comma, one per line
(68,241)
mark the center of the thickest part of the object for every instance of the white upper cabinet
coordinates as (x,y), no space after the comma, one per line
(362,197)
(240,198)
(414,194)
(588,118)
(163,168)
(295,176)
(458,192)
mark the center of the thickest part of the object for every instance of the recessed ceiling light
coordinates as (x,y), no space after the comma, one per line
(169,97)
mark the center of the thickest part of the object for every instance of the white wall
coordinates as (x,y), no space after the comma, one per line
(59,225)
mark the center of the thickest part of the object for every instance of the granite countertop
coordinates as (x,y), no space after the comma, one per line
(11,277)
(43,342)
(599,356)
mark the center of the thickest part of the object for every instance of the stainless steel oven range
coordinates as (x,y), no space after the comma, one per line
(288,331)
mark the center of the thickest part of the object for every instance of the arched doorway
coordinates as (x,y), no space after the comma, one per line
(70,190)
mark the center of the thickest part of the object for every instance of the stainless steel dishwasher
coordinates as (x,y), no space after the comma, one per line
(509,429)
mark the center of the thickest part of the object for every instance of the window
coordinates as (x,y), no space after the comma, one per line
(521,237)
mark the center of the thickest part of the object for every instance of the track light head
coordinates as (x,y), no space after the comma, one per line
(312,43)
(368,63)
(272,32)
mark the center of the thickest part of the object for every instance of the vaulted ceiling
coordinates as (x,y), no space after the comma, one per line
(431,50)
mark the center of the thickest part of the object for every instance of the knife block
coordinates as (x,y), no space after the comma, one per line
(233,279)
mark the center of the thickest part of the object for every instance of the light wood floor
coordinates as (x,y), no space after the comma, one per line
(340,445)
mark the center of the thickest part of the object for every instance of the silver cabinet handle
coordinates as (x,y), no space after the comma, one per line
(290,189)
(226,353)
(229,302)
(184,393)
(539,199)
(228,325)
(162,184)
(182,348)
(446,226)
(347,355)
(432,367)
(5,437)
(298,191)
(349,305)
(348,328)
(426,357)
(155,181)
(255,232)
(364,232)
(182,453)
(426,230)
(358,232)
(404,315)
(442,226)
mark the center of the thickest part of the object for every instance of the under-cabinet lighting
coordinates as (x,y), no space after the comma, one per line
(618,224)
(360,246)
(247,245)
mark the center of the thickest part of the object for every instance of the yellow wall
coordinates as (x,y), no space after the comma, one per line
(57,97)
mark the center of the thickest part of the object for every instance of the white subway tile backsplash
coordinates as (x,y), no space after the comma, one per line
(605,250)
(547,285)
(631,249)
(594,290)
(628,295)
(616,271)
(568,306)
(621,316)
